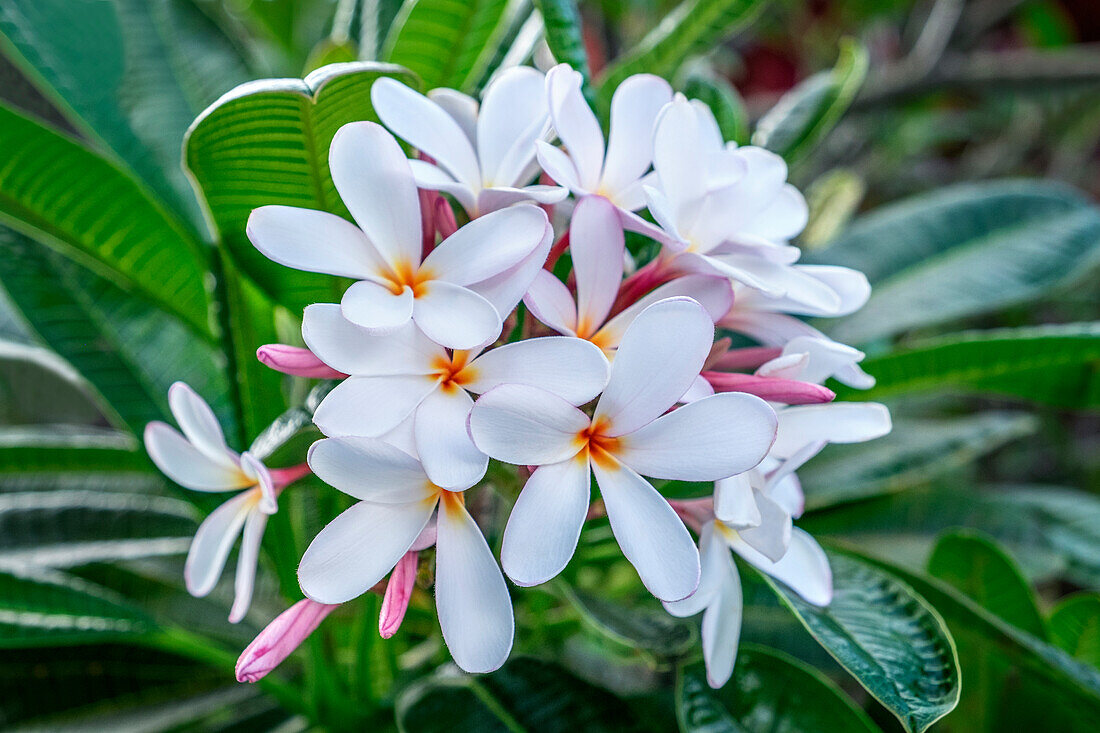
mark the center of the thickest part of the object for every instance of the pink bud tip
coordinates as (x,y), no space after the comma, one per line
(444,218)
(787,391)
(281,477)
(281,637)
(748,358)
(296,361)
(398,592)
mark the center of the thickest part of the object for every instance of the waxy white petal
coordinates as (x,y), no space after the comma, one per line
(487,246)
(557,165)
(634,108)
(198,423)
(182,462)
(257,471)
(213,541)
(434,178)
(496,198)
(513,115)
(371,406)
(711,292)
(735,502)
(450,457)
(314,241)
(550,301)
(455,316)
(247,560)
(370,305)
(840,422)
(710,576)
(461,107)
(571,368)
(505,290)
(576,124)
(370,469)
(526,425)
(596,245)
(352,349)
(804,568)
(772,535)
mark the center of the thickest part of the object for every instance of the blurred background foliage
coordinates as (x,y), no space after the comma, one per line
(949,148)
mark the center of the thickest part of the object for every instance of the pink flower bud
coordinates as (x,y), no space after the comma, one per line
(398,592)
(297,362)
(787,391)
(281,637)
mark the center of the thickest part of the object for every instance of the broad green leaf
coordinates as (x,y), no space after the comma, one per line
(53,449)
(36,387)
(447,43)
(649,629)
(914,453)
(55,189)
(129,350)
(770,692)
(984,573)
(266,142)
(805,114)
(1075,627)
(833,200)
(1070,521)
(694,27)
(962,251)
(888,637)
(1050,365)
(723,99)
(523,695)
(564,36)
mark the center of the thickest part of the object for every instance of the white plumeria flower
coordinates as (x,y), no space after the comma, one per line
(483,158)
(597,248)
(816,359)
(403,373)
(360,547)
(448,294)
(628,436)
(200,460)
(586,167)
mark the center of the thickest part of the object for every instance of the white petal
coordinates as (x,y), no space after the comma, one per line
(426,126)
(576,124)
(774,279)
(787,366)
(773,535)
(359,547)
(550,301)
(198,424)
(596,244)
(634,109)
(721,629)
(257,471)
(314,241)
(456,317)
(546,521)
(557,165)
(352,349)
(824,357)
(247,560)
(783,218)
(650,534)
(680,159)
(660,356)
(710,576)
(840,422)
(526,425)
(499,197)
(213,541)
(475,611)
(375,306)
(787,493)
(851,285)
(461,107)
(184,464)
(735,503)
(706,440)
(770,329)
(371,406)
(376,184)
(713,293)
(513,115)
(487,246)
(450,457)
(506,289)
(571,368)
(699,389)
(805,568)
(369,469)
(434,178)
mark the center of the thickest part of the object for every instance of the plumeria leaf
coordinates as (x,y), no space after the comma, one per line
(889,639)
(40,388)
(833,199)
(704,84)
(564,36)
(987,575)
(267,142)
(805,114)
(31,451)
(769,691)
(640,628)
(962,251)
(1075,627)
(1050,365)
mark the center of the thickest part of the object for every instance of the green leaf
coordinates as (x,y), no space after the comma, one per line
(915,452)
(887,637)
(651,630)
(805,114)
(55,189)
(1070,521)
(36,387)
(723,99)
(523,695)
(694,27)
(1050,365)
(984,573)
(1075,627)
(833,200)
(53,449)
(770,692)
(447,43)
(126,348)
(962,251)
(564,35)
(266,142)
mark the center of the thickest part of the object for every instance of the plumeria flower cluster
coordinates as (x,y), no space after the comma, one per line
(466,338)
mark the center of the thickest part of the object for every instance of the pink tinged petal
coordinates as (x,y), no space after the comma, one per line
(779,280)
(213,541)
(557,165)
(182,462)
(359,351)
(426,126)
(475,611)
(770,329)
(433,178)
(505,290)
(773,535)
(660,356)
(735,502)
(455,316)
(804,568)
(399,591)
(633,223)
(198,423)
(596,243)
(526,425)
(713,293)
(461,107)
(280,638)
(371,406)
(257,471)
(370,470)
(359,547)
(376,183)
(787,391)
(426,538)
(247,560)
(790,365)
(487,246)
(850,285)
(513,115)
(550,301)
(377,307)
(546,521)
(570,368)
(842,422)
(634,109)
(445,222)
(706,440)
(446,450)
(296,361)
(824,357)
(577,126)
(650,534)
(496,198)
(721,630)
(314,241)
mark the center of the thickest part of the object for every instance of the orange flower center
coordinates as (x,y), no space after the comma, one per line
(407,275)
(453,373)
(594,443)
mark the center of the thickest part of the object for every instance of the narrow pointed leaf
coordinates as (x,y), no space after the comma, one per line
(1075,627)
